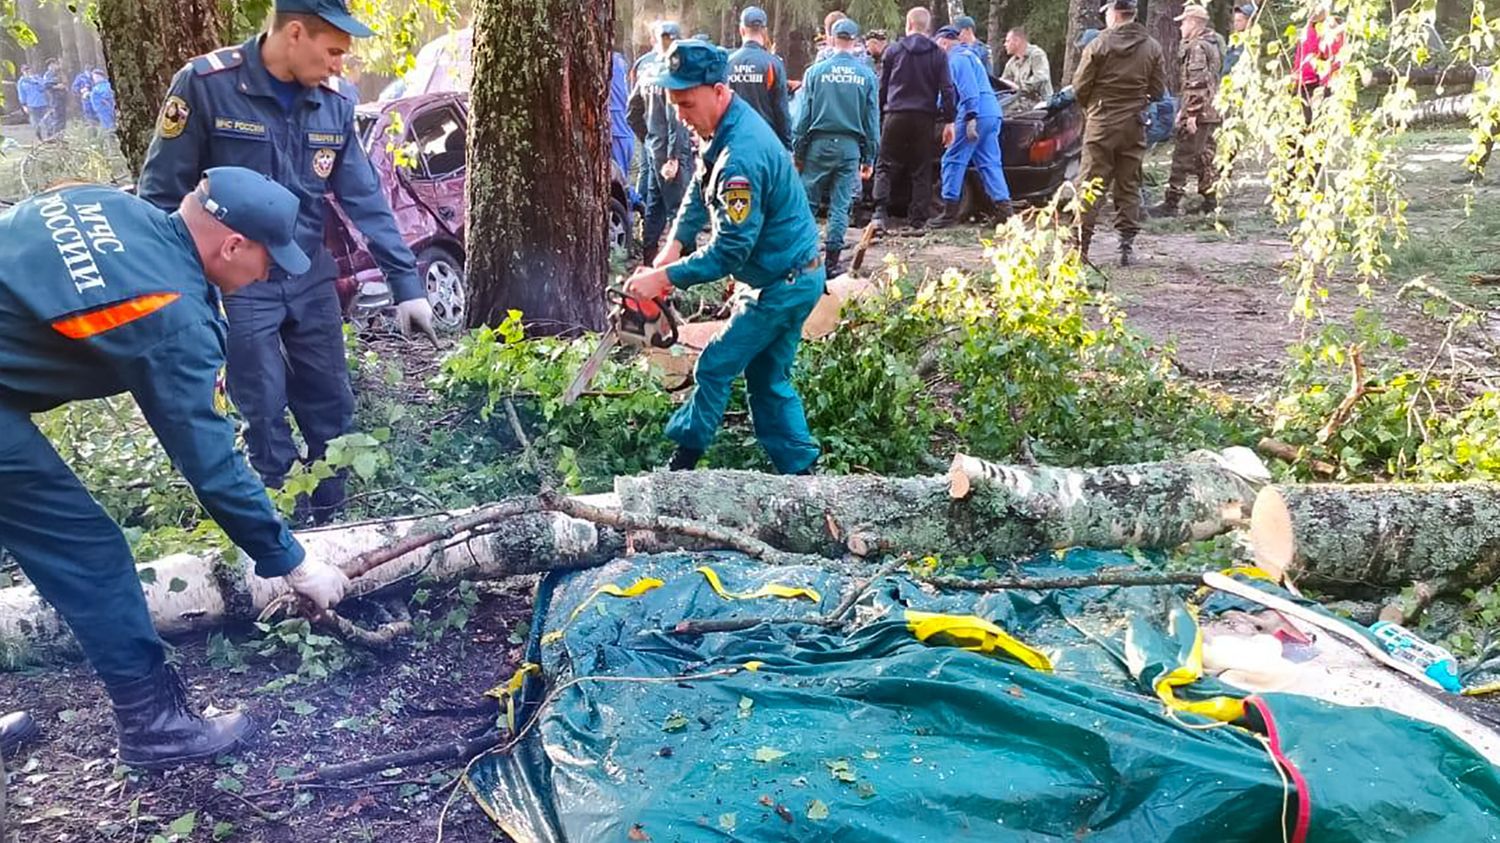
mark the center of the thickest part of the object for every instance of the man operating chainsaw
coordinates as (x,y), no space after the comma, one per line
(765,238)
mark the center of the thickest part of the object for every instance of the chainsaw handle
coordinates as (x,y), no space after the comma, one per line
(670,338)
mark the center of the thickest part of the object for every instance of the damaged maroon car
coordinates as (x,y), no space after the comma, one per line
(418,146)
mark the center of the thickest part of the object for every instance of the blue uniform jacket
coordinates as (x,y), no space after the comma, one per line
(841,99)
(102,100)
(619,97)
(981,51)
(746,186)
(666,136)
(101,293)
(759,76)
(221,111)
(976,97)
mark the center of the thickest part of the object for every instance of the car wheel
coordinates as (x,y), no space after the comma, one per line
(443,275)
(619,226)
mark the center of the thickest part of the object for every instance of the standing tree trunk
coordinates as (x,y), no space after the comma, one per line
(538,180)
(996,35)
(1082,14)
(72,59)
(145,43)
(88,39)
(1168,33)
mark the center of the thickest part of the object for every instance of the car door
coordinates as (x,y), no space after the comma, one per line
(439,132)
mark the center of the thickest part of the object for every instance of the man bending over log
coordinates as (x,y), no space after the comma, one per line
(101,293)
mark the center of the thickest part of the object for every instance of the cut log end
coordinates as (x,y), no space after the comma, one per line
(959,484)
(1271,537)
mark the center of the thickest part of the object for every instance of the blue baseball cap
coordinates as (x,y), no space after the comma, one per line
(946,32)
(1087,36)
(845,28)
(753,16)
(336,12)
(667,27)
(694,63)
(253,205)
(963,22)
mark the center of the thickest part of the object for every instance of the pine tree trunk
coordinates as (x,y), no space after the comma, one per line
(1168,33)
(1348,538)
(1082,14)
(1007,512)
(538,175)
(145,43)
(72,60)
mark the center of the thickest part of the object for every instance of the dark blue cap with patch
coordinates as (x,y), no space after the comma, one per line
(694,63)
(336,12)
(845,28)
(258,208)
(963,22)
(753,16)
(946,32)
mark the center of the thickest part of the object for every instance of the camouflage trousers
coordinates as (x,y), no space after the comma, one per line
(1193,157)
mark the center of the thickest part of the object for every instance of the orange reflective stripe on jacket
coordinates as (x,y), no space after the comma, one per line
(96,322)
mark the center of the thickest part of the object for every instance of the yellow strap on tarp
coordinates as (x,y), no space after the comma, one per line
(635,589)
(785,592)
(975,634)
(506,694)
(1226,709)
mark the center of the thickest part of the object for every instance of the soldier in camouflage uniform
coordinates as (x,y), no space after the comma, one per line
(1193,155)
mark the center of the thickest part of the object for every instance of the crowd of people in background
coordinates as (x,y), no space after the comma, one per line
(48,98)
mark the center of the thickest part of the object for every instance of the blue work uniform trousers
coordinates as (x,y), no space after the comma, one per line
(832,165)
(622,149)
(983,153)
(663,198)
(761,339)
(73,553)
(286,351)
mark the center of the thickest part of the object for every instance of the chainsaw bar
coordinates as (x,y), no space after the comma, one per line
(590,368)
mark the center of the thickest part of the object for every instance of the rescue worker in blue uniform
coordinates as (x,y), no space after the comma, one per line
(758,76)
(668,145)
(33,98)
(274,105)
(102,293)
(838,134)
(969,38)
(764,236)
(976,135)
(102,101)
(622,139)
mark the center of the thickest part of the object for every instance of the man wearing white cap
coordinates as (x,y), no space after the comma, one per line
(1193,154)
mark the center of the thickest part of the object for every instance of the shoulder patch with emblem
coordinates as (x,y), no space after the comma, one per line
(736,195)
(323,160)
(174,117)
(218,60)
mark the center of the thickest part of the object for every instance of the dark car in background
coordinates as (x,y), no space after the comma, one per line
(427,195)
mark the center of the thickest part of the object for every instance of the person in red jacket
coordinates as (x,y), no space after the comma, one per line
(1317,57)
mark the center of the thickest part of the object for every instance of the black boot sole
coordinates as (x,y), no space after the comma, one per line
(241,742)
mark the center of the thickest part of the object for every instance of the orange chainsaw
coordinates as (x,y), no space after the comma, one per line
(644,324)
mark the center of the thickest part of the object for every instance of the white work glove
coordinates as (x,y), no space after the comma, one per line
(416,315)
(318,581)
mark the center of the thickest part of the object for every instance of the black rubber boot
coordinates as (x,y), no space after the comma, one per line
(1127,250)
(16,728)
(157,729)
(1003,211)
(1168,207)
(879,220)
(685,459)
(831,263)
(947,219)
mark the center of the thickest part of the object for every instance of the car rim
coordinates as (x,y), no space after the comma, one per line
(445,289)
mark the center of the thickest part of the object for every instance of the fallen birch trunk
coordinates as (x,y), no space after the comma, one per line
(189,592)
(1379,536)
(1001,512)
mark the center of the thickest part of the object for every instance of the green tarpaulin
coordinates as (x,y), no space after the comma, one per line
(866,733)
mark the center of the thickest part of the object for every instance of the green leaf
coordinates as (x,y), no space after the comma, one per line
(746,704)
(285,774)
(766,755)
(817,810)
(865,790)
(675,722)
(728,821)
(228,784)
(67,715)
(184,825)
(223,831)
(366,465)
